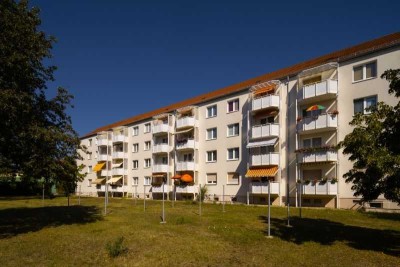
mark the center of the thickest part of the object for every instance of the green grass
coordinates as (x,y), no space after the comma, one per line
(55,235)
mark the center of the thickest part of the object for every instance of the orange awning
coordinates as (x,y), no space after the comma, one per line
(158,175)
(187,178)
(176,176)
(265,90)
(262,172)
(99,166)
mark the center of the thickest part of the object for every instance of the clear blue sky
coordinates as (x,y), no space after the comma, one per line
(123,58)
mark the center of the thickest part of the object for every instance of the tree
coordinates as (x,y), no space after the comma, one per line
(36,135)
(374,148)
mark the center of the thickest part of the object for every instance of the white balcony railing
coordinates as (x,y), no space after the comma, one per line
(264,159)
(119,171)
(319,156)
(103,142)
(161,148)
(160,168)
(185,166)
(159,188)
(189,144)
(262,188)
(161,128)
(319,189)
(104,173)
(187,189)
(317,89)
(119,138)
(185,122)
(320,122)
(271,129)
(119,155)
(265,102)
(102,157)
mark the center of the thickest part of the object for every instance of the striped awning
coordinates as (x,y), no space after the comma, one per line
(117,165)
(176,176)
(99,166)
(262,143)
(114,180)
(268,89)
(99,181)
(262,172)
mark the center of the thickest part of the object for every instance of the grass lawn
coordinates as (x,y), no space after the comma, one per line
(55,235)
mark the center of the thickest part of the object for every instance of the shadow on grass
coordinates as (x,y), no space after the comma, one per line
(17,221)
(385,216)
(326,232)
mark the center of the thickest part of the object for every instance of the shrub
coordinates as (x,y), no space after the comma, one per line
(116,248)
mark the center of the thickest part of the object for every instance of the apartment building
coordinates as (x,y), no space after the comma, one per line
(274,134)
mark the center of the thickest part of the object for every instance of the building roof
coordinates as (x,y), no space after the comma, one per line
(338,56)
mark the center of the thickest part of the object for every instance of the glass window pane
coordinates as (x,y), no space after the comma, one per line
(358,73)
(358,106)
(370,70)
(317,142)
(370,101)
(306,143)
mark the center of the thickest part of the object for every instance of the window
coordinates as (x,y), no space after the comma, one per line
(147,163)
(211,133)
(90,142)
(212,111)
(233,178)
(89,184)
(267,120)
(147,128)
(188,157)
(233,105)
(211,156)
(364,72)
(89,169)
(96,155)
(211,178)
(135,164)
(312,174)
(135,181)
(135,148)
(135,131)
(164,160)
(360,105)
(147,180)
(233,129)
(233,153)
(147,145)
(89,155)
(312,142)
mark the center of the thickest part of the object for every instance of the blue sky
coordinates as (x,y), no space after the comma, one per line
(123,58)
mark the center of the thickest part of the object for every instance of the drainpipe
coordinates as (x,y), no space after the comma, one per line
(287,153)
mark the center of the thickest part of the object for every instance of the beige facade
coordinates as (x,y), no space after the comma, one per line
(242,142)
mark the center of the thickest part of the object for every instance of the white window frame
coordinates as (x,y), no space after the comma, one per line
(135,162)
(364,71)
(135,148)
(212,130)
(147,180)
(89,155)
(213,110)
(135,131)
(235,106)
(90,142)
(234,154)
(135,181)
(213,182)
(147,128)
(89,184)
(147,163)
(364,100)
(230,183)
(147,145)
(89,169)
(312,141)
(214,156)
(232,126)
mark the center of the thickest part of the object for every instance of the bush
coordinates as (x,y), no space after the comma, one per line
(203,191)
(116,248)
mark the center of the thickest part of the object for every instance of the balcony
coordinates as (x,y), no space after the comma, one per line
(319,189)
(185,122)
(187,189)
(102,157)
(319,156)
(103,142)
(185,166)
(161,128)
(160,168)
(119,155)
(188,144)
(119,138)
(161,148)
(322,90)
(264,159)
(119,171)
(268,130)
(324,122)
(262,188)
(269,101)
(160,188)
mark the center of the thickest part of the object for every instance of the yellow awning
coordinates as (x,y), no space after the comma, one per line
(114,180)
(268,89)
(99,181)
(262,172)
(99,166)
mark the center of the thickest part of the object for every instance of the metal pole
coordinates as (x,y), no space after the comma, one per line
(223,198)
(301,193)
(105,198)
(135,195)
(269,208)
(163,206)
(200,199)
(43,194)
(144,198)
(79,195)
(288,204)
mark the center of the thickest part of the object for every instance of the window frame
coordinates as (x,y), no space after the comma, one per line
(135,131)
(89,184)
(147,180)
(364,102)
(146,166)
(133,164)
(230,183)
(214,137)
(216,178)
(364,71)
(135,145)
(214,114)
(237,106)
(233,149)
(238,130)
(146,146)
(135,181)
(147,128)
(213,154)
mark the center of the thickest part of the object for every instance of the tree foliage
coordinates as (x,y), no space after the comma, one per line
(36,135)
(374,148)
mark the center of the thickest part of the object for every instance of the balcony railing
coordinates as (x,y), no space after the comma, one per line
(319,156)
(119,171)
(119,138)
(267,130)
(265,102)
(161,128)
(119,155)
(103,142)
(321,122)
(319,189)
(185,122)
(262,188)
(102,157)
(160,168)
(264,159)
(185,166)
(159,189)
(189,144)
(317,89)
(187,189)
(104,173)
(161,148)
